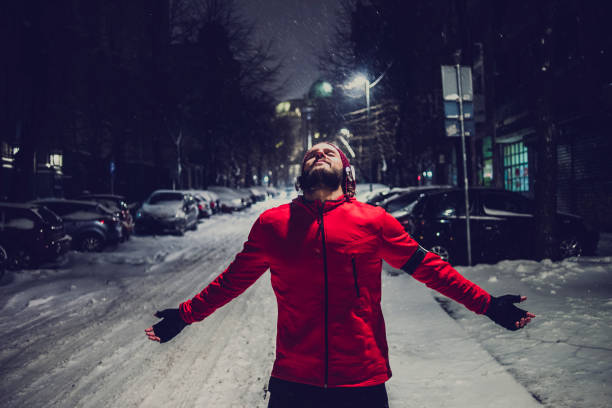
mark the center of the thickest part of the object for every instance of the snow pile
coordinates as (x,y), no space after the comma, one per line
(564,357)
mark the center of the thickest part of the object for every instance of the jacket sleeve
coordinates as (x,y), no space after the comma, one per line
(401,251)
(246,268)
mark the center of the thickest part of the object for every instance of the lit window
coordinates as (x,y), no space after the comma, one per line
(516,169)
(55,160)
(283,108)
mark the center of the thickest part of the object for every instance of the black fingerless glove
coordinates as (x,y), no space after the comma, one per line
(172,323)
(503,312)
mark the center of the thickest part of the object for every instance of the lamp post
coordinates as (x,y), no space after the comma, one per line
(308,112)
(359,81)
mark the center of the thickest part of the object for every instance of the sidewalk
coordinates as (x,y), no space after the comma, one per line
(434,362)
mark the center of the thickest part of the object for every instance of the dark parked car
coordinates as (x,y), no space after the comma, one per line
(118,204)
(398,201)
(91,225)
(30,234)
(502,226)
(382,195)
(168,210)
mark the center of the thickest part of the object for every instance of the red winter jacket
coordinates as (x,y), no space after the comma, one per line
(325,262)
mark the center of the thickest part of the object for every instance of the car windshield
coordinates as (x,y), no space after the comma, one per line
(47,215)
(165,197)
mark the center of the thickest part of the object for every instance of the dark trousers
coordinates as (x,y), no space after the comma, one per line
(285,394)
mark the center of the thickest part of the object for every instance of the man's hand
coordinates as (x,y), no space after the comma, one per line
(503,312)
(170,326)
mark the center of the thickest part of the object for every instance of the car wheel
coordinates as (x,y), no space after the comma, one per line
(570,247)
(20,259)
(442,251)
(91,243)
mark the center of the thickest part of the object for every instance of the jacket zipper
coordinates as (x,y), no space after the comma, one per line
(355,276)
(326,295)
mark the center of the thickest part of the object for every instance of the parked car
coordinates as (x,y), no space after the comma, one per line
(259,193)
(212,198)
(397,202)
(229,199)
(502,226)
(381,195)
(30,234)
(168,211)
(91,225)
(246,196)
(365,191)
(204,210)
(116,203)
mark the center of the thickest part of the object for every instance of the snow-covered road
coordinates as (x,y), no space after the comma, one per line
(73,335)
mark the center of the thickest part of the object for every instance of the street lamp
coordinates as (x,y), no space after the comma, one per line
(361,81)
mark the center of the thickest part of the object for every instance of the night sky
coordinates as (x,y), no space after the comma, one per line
(300,28)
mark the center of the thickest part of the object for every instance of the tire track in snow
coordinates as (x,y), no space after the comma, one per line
(108,359)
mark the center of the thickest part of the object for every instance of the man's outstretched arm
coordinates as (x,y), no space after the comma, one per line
(439,275)
(246,268)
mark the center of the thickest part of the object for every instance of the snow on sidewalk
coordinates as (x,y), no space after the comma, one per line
(435,363)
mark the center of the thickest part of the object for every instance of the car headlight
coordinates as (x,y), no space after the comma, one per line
(180,214)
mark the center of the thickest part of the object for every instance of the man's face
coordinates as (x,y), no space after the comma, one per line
(322,156)
(322,168)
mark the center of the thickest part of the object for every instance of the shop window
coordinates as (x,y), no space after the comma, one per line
(516,169)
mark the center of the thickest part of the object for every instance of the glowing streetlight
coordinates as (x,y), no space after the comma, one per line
(326,87)
(361,81)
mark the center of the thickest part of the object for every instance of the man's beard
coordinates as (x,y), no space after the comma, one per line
(320,178)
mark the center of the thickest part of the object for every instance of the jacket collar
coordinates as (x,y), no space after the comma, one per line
(317,207)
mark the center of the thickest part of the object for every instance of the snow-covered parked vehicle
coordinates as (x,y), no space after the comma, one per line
(212,198)
(167,211)
(91,225)
(30,234)
(259,193)
(204,210)
(365,191)
(229,199)
(117,204)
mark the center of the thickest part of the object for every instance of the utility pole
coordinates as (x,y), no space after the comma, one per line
(458,112)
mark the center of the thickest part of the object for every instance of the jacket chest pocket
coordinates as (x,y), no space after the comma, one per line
(355,279)
(362,255)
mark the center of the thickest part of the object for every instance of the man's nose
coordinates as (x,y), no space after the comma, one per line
(319,154)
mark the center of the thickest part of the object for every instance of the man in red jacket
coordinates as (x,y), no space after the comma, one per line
(324,251)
